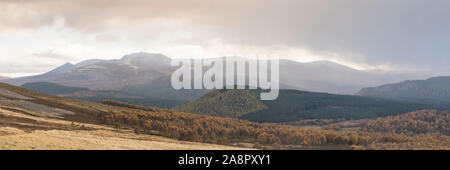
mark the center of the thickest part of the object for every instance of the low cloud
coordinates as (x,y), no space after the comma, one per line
(401,34)
(51,55)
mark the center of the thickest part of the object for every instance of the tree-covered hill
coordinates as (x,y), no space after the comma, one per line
(293,105)
(225,103)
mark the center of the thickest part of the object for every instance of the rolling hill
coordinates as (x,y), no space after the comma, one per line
(226,103)
(434,90)
(36,121)
(4,78)
(293,105)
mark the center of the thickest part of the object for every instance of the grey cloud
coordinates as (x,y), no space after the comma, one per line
(107,38)
(400,33)
(20,69)
(32,64)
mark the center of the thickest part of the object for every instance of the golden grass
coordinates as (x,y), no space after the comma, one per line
(94,140)
(102,138)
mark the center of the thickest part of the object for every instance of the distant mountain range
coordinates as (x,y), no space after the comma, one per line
(329,77)
(148,75)
(434,90)
(134,69)
(3,78)
(293,105)
(137,74)
(144,79)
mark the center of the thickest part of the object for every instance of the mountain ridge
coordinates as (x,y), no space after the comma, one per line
(431,90)
(149,74)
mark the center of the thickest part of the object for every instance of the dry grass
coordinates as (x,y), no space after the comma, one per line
(94,140)
(31,125)
(16,137)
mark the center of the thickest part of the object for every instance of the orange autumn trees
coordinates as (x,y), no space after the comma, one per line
(418,122)
(374,134)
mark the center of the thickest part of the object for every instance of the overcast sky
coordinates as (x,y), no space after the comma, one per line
(395,35)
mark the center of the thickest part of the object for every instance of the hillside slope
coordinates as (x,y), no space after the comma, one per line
(99,95)
(148,75)
(35,121)
(433,90)
(225,103)
(19,131)
(293,105)
(31,120)
(52,88)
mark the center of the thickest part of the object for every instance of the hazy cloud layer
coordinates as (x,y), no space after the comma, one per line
(378,34)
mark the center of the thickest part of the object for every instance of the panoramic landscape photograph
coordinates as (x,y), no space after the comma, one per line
(236,76)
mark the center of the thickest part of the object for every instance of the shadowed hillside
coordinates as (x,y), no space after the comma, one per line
(99,95)
(52,88)
(434,90)
(226,103)
(293,105)
(31,120)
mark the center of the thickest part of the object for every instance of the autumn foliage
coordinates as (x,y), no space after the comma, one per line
(384,133)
